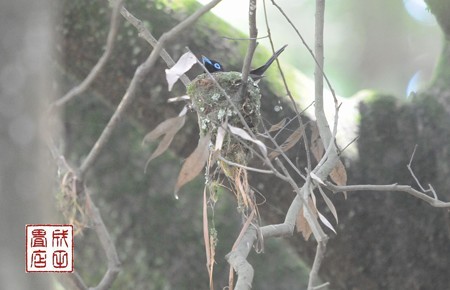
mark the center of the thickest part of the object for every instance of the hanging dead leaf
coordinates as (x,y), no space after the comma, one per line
(326,222)
(219,138)
(169,129)
(244,135)
(209,242)
(194,163)
(289,143)
(339,175)
(184,64)
(179,99)
(317,148)
(329,204)
(278,125)
(242,187)
(302,224)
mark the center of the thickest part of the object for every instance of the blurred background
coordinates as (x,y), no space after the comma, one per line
(388,46)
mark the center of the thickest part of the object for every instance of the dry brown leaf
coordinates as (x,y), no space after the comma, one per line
(289,143)
(339,175)
(316,142)
(302,224)
(169,128)
(278,125)
(194,163)
(231,278)
(242,187)
(206,236)
(213,241)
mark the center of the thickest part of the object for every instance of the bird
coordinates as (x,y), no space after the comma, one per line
(211,65)
(214,66)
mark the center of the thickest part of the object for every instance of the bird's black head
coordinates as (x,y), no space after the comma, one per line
(211,65)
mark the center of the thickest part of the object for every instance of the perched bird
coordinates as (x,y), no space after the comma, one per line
(262,69)
(211,65)
(256,74)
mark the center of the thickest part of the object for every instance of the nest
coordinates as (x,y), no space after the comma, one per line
(214,110)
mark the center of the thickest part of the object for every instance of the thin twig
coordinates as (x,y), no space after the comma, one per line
(247,38)
(245,167)
(72,281)
(430,188)
(107,244)
(146,34)
(350,143)
(253,32)
(282,153)
(321,286)
(99,227)
(411,171)
(389,187)
(318,259)
(325,134)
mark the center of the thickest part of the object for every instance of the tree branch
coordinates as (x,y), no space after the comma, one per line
(145,34)
(253,31)
(389,187)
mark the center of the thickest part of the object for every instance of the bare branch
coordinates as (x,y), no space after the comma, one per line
(411,171)
(245,167)
(320,254)
(145,34)
(321,286)
(282,153)
(389,187)
(99,227)
(322,123)
(330,151)
(72,281)
(107,244)
(237,259)
(253,31)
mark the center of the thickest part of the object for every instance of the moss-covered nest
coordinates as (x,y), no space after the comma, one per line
(214,109)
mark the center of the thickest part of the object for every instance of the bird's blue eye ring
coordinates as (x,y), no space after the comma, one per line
(217,66)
